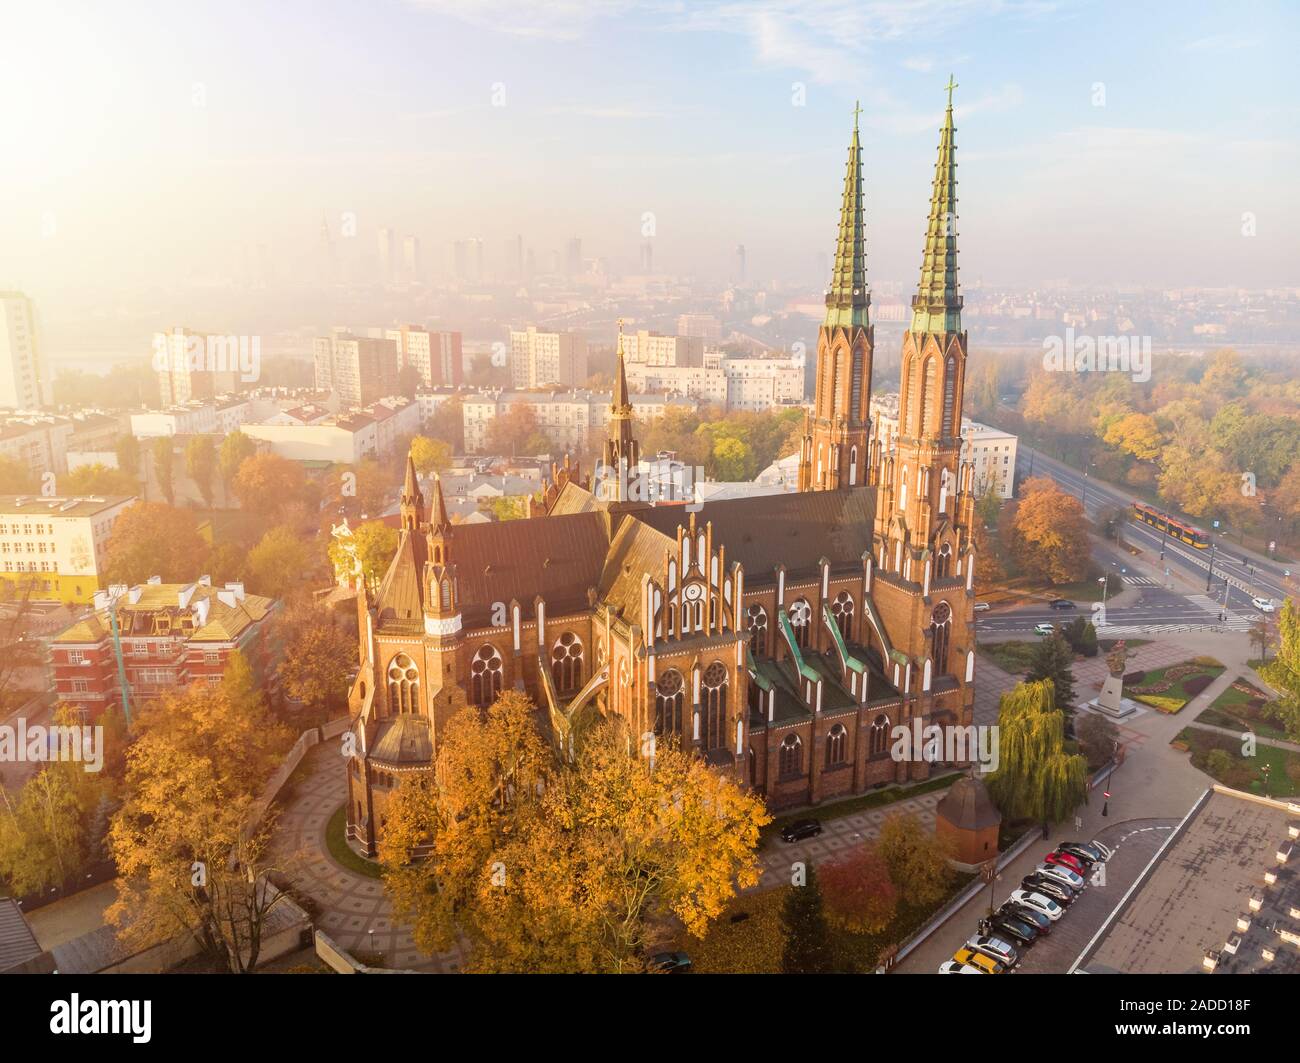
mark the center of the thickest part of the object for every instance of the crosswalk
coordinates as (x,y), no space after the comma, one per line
(1141,581)
(1234,621)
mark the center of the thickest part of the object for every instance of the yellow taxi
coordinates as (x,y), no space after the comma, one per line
(986,964)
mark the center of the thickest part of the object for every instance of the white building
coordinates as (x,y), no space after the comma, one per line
(654,349)
(736,384)
(37,442)
(343,439)
(21,373)
(542,359)
(57,544)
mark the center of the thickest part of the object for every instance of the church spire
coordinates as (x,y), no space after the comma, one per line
(937,306)
(439,523)
(622,453)
(412,501)
(846,298)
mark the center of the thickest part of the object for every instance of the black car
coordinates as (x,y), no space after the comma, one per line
(1088,852)
(1026,915)
(1062,603)
(1016,929)
(668,963)
(1049,887)
(800,829)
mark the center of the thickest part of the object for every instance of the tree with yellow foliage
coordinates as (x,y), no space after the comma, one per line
(1048,534)
(543,864)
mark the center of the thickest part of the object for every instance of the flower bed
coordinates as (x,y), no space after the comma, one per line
(1170,688)
(1244,707)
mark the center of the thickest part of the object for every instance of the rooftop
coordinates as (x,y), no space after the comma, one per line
(62,506)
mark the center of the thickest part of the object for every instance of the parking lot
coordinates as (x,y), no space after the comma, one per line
(1133,842)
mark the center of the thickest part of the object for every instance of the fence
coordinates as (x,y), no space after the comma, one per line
(291,761)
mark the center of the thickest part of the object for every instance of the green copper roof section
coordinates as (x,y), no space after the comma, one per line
(846,298)
(937,306)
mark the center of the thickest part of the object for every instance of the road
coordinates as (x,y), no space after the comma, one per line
(1246,574)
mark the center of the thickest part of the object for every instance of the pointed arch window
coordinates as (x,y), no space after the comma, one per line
(837,746)
(566,663)
(943,562)
(801,621)
(949,394)
(879,737)
(669,694)
(928,420)
(485,675)
(715,685)
(842,610)
(791,756)
(403,685)
(756,622)
(941,631)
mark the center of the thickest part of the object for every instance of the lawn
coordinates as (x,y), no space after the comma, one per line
(1012,657)
(1170,688)
(1242,707)
(850,805)
(753,945)
(1242,773)
(336,842)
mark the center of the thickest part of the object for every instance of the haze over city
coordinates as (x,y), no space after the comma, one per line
(205,144)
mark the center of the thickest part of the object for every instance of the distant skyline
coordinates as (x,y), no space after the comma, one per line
(157,145)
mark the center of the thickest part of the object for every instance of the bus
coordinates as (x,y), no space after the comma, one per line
(1172,526)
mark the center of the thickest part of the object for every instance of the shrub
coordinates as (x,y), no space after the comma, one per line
(1161,703)
(1133,677)
(1207,662)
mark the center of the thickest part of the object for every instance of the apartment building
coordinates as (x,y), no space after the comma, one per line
(172,635)
(358,369)
(197,365)
(655,349)
(437,356)
(56,545)
(543,359)
(21,373)
(38,443)
(344,439)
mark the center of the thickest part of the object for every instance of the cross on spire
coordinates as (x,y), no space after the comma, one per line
(857,110)
(950,86)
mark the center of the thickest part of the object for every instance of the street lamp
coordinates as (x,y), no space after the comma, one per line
(1264,770)
(1105,586)
(1209,573)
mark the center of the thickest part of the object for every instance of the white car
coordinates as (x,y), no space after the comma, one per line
(981,607)
(1063,875)
(953,967)
(1038,903)
(1002,951)
(1264,605)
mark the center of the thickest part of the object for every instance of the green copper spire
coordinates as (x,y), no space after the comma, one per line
(847,299)
(937,306)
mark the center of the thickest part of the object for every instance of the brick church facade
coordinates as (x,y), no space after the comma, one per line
(782,638)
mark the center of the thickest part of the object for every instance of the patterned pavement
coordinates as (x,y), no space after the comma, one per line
(353,908)
(838,837)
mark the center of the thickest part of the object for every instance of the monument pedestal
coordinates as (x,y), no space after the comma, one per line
(1111,700)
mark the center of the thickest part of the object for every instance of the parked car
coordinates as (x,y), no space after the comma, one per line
(1264,605)
(983,961)
(1026,914)
(953,967)
(981,607)
(1038,903)
(1057,891)
(1062,603)
(999,948)
(800,829)
(1068,861)
(1062,875)
(1044,629)
(1094,851)
(1079,853)
(1016,929)
(668,963)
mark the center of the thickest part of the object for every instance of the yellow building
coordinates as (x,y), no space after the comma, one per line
(58,544)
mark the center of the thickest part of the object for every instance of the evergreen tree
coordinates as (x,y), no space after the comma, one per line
(1054,660)
(808,947)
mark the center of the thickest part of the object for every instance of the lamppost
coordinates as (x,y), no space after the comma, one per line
(1209,573)
(1164,535)
(1264,770)
(1105,586)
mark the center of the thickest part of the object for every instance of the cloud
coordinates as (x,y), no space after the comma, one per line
(921,64)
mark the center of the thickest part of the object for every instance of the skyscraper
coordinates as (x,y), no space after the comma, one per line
(387,254)
(21,383)
(411,258)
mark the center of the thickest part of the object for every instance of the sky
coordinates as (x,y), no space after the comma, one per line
(152,144)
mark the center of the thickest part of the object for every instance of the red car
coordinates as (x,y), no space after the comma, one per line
(1066,860)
